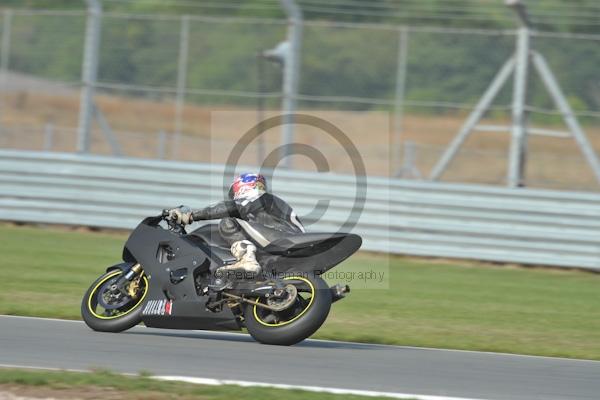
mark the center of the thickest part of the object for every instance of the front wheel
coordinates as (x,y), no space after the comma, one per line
(295,323)
(106,310)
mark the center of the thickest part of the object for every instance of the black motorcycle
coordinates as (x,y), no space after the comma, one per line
(166,272)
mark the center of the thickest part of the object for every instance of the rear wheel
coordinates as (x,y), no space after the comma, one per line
(298,321)
(105,309)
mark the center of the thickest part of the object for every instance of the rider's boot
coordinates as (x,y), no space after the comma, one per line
(245,268)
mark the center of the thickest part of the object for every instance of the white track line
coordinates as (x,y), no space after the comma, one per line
(222,382)
(318,389)
(221,333)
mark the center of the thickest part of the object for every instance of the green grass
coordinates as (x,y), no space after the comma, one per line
(144,388)
(435,304)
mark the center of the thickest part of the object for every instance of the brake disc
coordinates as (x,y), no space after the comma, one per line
(115,300)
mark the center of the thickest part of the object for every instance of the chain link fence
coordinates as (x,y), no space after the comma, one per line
(399,92)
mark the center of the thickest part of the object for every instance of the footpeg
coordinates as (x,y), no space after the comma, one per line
(220,284)
(338,292)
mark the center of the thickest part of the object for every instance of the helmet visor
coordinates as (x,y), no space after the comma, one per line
(248,187)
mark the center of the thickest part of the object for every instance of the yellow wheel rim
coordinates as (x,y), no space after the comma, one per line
(106,278)
(312,297)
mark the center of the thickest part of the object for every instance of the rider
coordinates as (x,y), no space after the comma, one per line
(251,216)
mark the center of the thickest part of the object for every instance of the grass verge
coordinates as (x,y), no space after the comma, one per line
(106,385)
(433,304)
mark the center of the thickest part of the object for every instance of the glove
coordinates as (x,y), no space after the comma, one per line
(182,215)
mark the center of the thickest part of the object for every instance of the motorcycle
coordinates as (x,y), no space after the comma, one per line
(165,275)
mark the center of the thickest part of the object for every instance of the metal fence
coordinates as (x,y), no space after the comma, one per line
(406,88)
(400,217)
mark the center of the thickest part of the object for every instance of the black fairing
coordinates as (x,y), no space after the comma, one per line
(187,310)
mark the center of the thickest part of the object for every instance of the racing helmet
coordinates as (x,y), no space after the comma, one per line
(248,186)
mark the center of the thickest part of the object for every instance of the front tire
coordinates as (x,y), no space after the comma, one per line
(298,323)
(114,320)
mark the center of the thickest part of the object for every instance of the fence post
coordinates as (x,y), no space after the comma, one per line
(162,144)
(48,136)
(518,145)
(5,57)
(260,107)
(409,162)
(291,71)
(89,73)
(184,38)
(399,97)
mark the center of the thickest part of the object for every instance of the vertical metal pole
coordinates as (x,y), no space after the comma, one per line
(6,31)
(89,74)
(563,106)
(409,166)
(481,107)
(184,39)
(290,77)
(162,143)
(5,57)
(399,98)
(48,136)
(518,145)
(260,108)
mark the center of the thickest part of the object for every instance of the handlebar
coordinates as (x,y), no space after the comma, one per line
(172,223)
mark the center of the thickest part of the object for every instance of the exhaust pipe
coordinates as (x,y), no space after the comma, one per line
(338,292)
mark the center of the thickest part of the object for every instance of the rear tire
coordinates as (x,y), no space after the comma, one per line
(302,325)
(130,314)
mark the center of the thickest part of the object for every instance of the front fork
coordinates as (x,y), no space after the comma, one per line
(124,283)
(135,270)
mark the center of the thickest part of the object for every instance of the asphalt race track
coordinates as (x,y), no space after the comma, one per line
(35,342)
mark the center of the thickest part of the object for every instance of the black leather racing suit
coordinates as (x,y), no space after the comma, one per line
(261,220)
